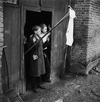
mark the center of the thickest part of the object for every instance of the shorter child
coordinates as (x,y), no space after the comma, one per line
(46,45)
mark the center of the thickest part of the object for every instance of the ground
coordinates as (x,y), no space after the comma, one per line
(73,88)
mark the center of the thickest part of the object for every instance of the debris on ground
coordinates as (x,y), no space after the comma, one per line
(59,100)
(71,89)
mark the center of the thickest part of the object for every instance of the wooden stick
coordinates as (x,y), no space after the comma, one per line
(48,32)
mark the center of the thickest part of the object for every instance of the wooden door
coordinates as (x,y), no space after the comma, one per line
(47,3)
(30,2)
(12,41)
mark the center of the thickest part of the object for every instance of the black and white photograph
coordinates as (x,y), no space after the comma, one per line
(49,50)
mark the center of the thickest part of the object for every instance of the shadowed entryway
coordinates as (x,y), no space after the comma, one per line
(34,18)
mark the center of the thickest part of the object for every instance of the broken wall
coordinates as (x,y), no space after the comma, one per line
(86,47)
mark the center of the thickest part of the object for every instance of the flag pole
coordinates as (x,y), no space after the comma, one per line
(48,32)
(66,47)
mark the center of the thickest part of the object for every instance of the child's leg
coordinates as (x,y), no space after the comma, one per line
(34,82)
(38,80)
(39,83)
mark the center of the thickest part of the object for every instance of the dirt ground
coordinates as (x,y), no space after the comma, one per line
(73,88)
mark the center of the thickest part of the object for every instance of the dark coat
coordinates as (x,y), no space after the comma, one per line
(37,67)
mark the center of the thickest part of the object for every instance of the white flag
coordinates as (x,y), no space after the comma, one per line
(69,32)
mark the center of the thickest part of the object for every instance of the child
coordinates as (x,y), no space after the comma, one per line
(37,67)
(46,44)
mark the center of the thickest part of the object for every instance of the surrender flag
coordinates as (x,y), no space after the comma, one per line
(69,32)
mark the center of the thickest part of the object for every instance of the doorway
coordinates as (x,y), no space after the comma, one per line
(34,18)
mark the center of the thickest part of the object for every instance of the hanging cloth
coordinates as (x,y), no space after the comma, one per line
(69,32)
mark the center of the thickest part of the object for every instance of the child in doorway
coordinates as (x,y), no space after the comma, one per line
(46,45)
(37,67)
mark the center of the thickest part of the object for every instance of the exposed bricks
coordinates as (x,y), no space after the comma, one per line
(93,49)
(86,45)
(1,40)
(80,31)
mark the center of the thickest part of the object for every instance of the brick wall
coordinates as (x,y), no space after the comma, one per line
(1,40)
(86,45)
(93,45)
(79,48)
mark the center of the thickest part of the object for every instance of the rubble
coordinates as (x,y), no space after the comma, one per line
(71,89)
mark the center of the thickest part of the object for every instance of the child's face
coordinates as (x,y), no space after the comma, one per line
(44,30)
(38,31)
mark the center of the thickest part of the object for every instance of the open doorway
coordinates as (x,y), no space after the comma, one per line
(34,18)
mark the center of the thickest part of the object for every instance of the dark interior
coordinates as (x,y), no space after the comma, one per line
(34,18)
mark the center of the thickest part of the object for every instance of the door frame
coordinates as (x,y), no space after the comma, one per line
(24,8)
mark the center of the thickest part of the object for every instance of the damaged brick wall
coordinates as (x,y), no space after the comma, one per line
(1,40)
(79,48)
(93,45)
(86,45)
